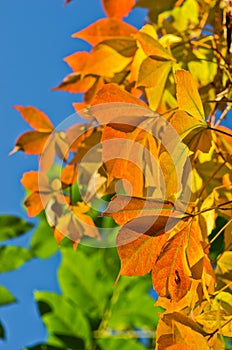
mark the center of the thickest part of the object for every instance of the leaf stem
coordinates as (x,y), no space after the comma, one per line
(220,131)
(223,288)
(217,329)
(222,116)
(212,208)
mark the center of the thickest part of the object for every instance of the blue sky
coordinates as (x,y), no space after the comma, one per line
(35,36)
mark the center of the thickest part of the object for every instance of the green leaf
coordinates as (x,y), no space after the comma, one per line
(134,308)
(2,332)
(155,7)
(85,280)
(62,317)
(12,257)
(5,296)
(114,343)
(44,347)
(12,226)
(43,243)
(71,342)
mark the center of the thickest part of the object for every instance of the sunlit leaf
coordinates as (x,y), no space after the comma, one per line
(152,47)
(126,46)
(35,118)
(76,223)
(75,84)
(105,61)
(114,93)
(188,97)
(138,252)
(117,9)
(6,297)
(31,142)
(104,29)
(152,72)
(176,329)
(77,60)
(125,209)
(171,274)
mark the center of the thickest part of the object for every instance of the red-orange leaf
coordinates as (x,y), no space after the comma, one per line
(104,29)
(171,273)
(117,9)
(35,118)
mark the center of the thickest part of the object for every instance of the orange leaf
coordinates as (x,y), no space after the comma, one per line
(47,156)
(35,118)
(104,29)
(224,141)
(188,97)
(76,224)
(69,175)
(75,84)
(142,215)
(114,93)
(31,142)
(138,252)
(77,60)
(105,61)
(177,331)
(39,184)
(34,204)
(76,134)
(79,106)
(171,273)
(35,181)
(117,9)
(195,250)
(91,92)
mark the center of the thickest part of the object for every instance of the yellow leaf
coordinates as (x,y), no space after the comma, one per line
(188,97)
(153,73)
(105,61)
(152,47)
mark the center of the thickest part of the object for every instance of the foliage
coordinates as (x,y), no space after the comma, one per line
(149,172)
